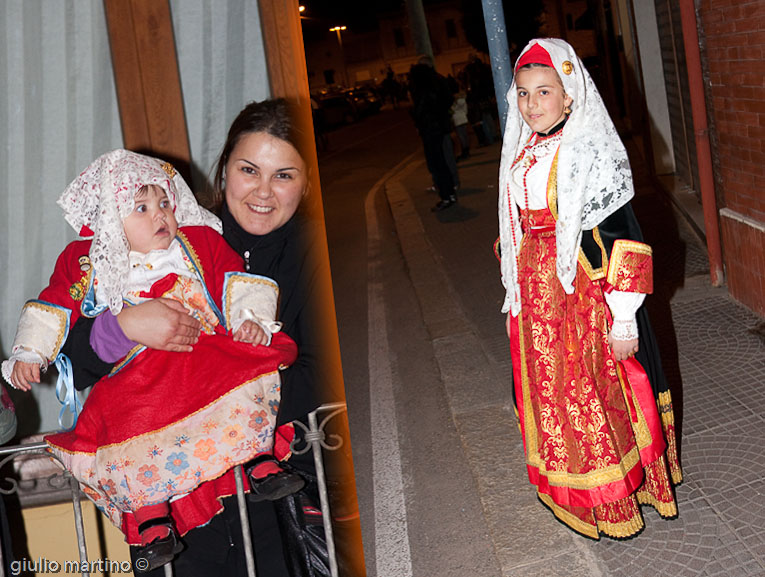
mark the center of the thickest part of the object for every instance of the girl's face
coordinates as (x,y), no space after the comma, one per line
(541,98)
(152,224)
(266,179)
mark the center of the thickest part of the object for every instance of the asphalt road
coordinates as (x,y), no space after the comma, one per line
(418,499)
(356,158)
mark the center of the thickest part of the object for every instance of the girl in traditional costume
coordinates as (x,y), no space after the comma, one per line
(156,439)
(594,409)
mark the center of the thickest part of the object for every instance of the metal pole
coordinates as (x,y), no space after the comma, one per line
(419,27)
(499,53)
(315,437)
(249,557)
(79,526)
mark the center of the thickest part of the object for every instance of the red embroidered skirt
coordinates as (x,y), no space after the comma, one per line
(171,426)
(595,444)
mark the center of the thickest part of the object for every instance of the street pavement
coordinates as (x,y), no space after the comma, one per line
(474,512)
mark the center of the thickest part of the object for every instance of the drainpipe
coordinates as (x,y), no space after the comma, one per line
(701,132)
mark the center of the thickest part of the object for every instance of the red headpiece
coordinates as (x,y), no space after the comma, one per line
(535,55)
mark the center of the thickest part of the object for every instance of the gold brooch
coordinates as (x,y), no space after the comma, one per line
(168,168)
(84,263)
(567,67)
(77,290)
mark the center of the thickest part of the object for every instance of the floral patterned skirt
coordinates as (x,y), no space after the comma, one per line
(170,426)
(594,441)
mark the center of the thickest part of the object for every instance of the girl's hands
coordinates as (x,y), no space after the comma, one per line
(24,374)
(251,332)
(623,349)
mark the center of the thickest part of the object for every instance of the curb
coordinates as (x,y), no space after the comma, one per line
(483,413)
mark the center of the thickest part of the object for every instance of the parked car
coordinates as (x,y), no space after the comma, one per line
(365,100)
(336,109)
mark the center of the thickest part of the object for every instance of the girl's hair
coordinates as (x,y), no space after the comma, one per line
(276,117)
(531,65)
(535,65)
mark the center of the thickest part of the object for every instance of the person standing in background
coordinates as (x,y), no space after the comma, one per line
(432,101)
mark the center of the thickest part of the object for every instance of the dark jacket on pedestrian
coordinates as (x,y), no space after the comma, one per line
(432,100)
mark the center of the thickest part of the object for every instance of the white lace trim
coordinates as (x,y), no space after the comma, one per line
(624,330)
(594,177)
(146,269)
(24,356)
(102,196)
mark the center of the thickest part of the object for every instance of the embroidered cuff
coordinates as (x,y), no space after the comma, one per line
(624,330)
(42,328)
(249,296)
(630,267)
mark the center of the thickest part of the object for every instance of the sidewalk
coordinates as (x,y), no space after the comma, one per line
(716,369)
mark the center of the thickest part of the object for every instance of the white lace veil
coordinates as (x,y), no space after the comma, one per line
(97,201)
(594,177)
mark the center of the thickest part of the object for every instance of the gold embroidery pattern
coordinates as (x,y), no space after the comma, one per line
(568,435)
(619,519)
(574,401)
(667,416)
(552,187)
(189,253)
(569,518)
(631,267)
(642,432)
(655,489)
(592,273)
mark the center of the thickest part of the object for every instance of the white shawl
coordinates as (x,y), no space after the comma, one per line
(594,177)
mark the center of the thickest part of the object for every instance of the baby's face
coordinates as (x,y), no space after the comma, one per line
(151,225)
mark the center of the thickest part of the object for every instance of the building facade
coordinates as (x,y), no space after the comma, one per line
(636,50)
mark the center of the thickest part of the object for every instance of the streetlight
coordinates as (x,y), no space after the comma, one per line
(339,29)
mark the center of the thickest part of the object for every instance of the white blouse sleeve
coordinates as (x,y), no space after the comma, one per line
(623,307)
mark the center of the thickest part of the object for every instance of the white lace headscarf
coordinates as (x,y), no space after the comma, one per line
(594,177)
(98,200)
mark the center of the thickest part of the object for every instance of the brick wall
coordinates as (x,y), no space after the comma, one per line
(744,258)
(734,35)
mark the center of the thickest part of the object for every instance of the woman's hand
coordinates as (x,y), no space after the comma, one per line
(161,324)
(623,349)
(251,332)
(24,374)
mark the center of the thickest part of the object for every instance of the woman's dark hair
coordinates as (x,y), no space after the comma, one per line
(276,117)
